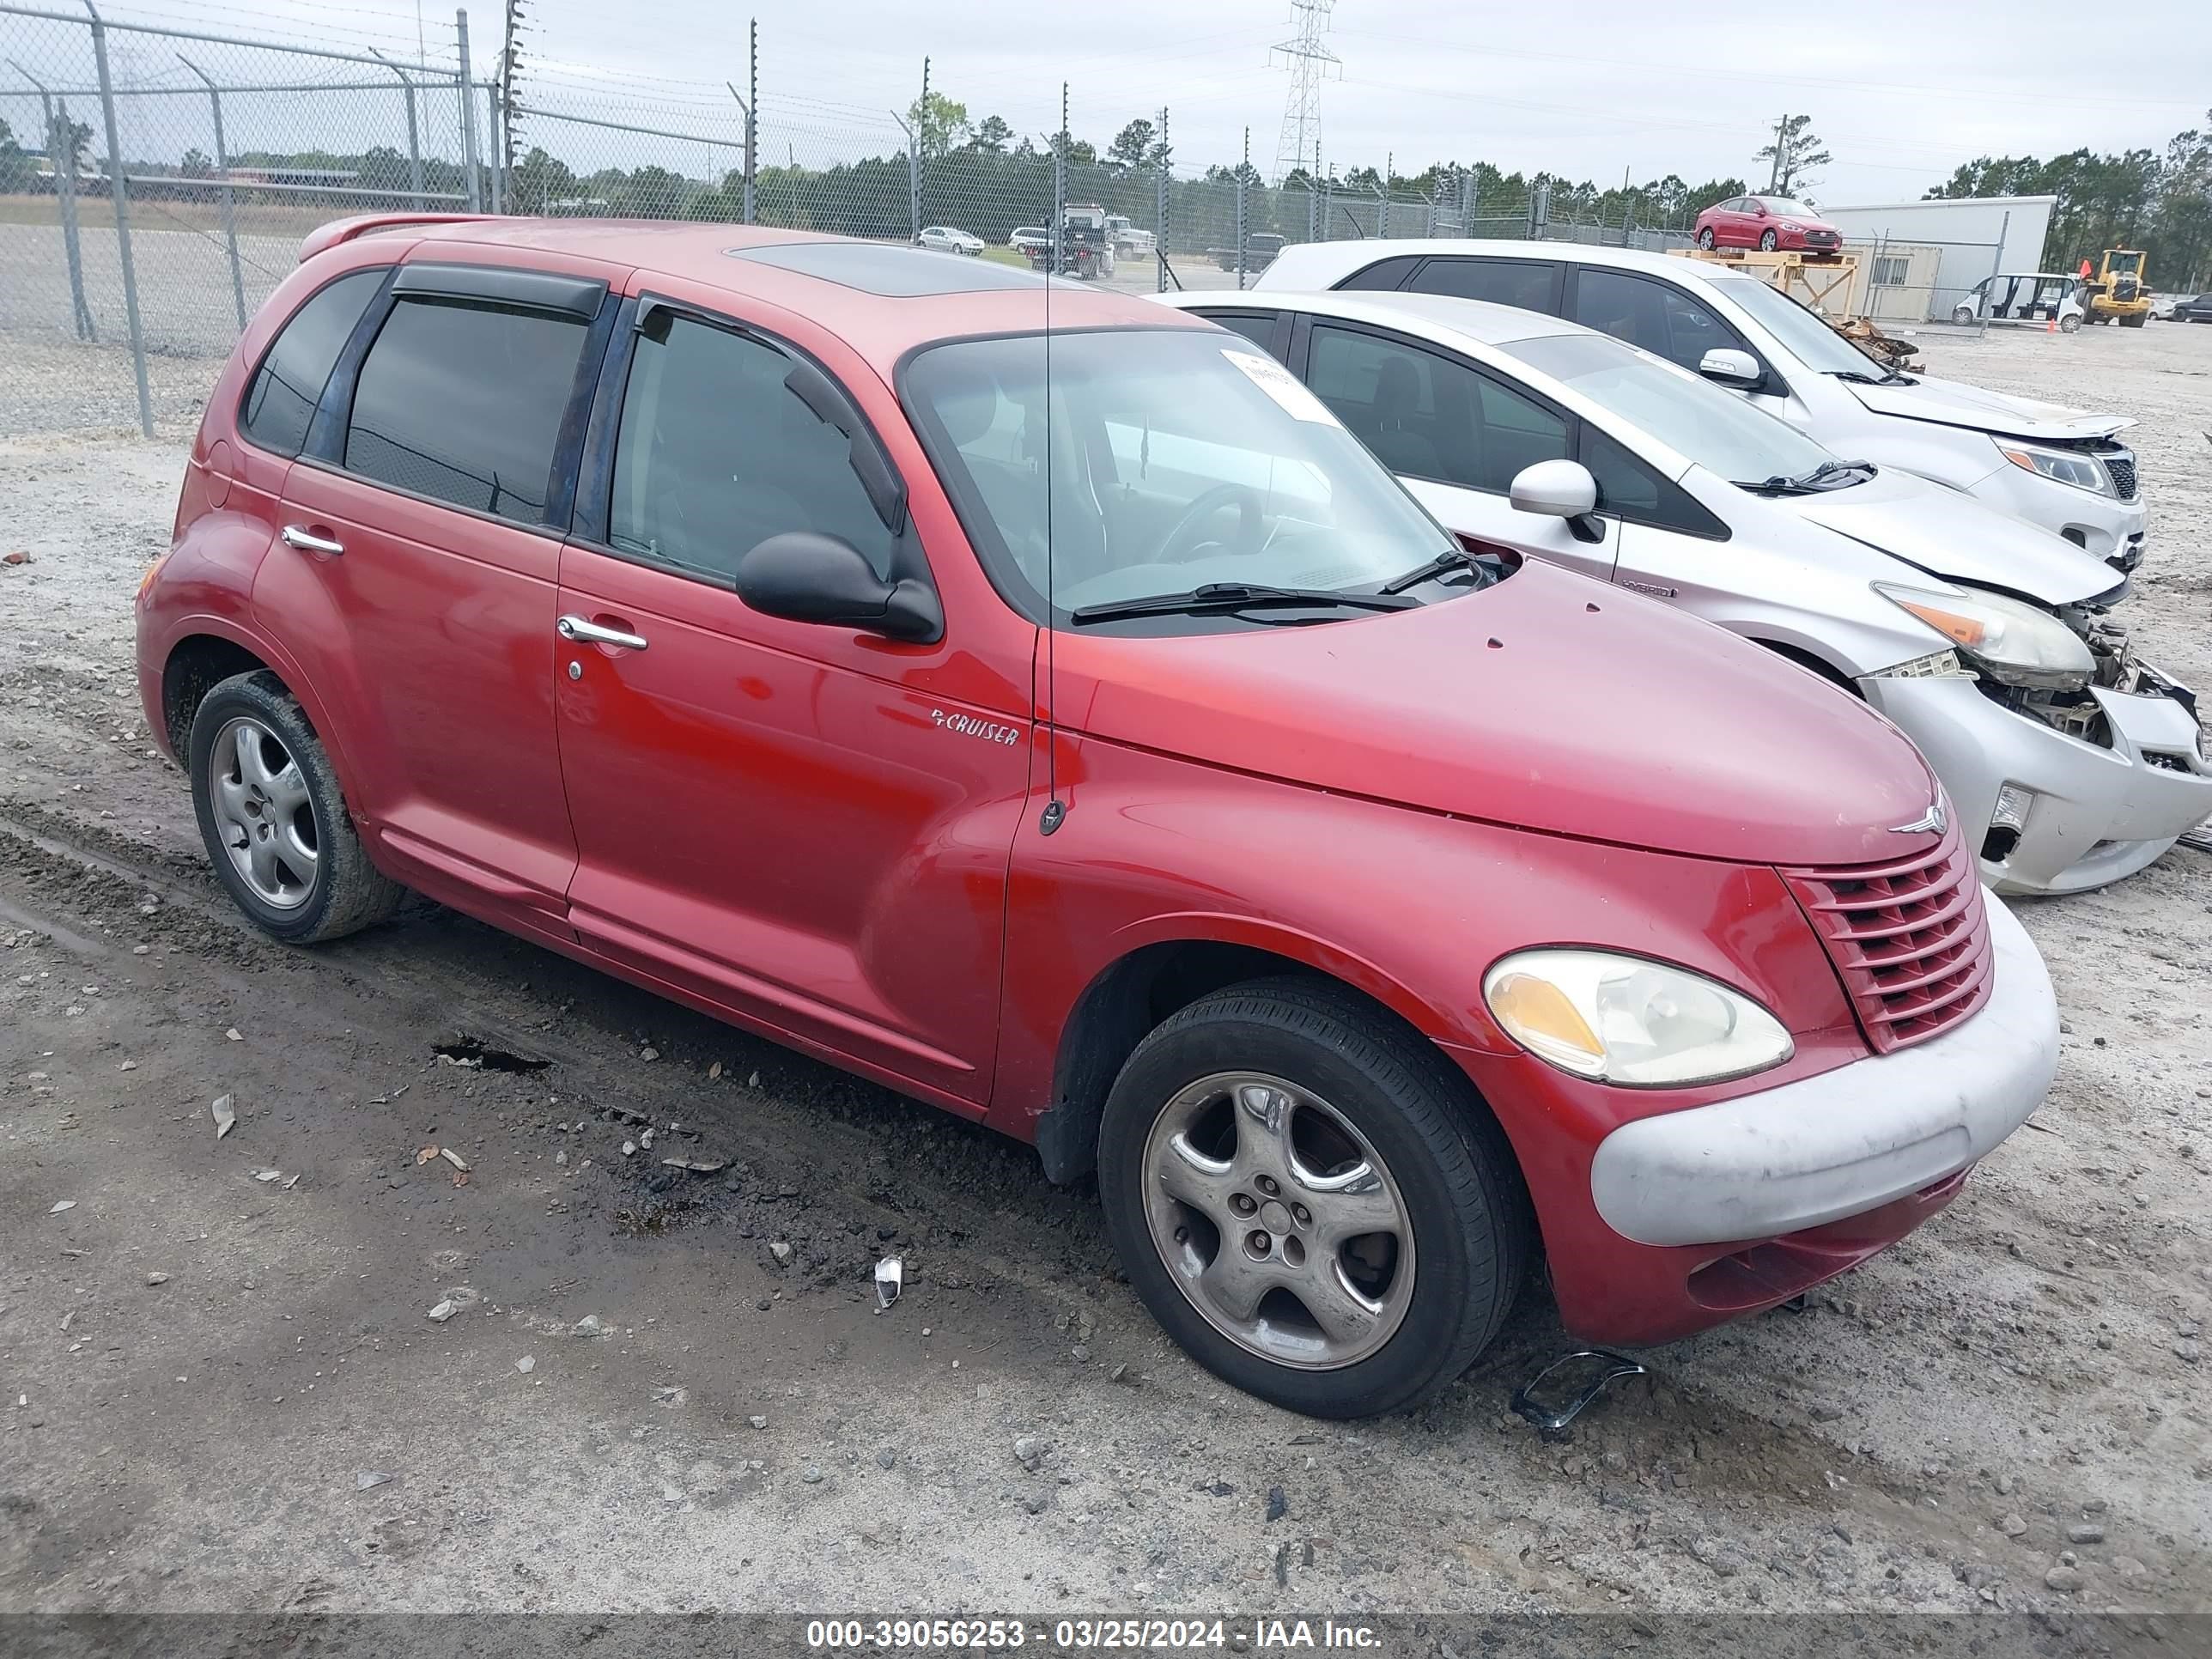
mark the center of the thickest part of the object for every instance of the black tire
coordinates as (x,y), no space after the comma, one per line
(2135,321)
(1768,242)
(1706,239)
(346,892)
(1469,1212)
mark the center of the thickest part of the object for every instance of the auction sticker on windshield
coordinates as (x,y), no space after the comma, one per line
(1279,383)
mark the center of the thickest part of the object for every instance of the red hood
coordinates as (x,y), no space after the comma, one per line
(1548,703)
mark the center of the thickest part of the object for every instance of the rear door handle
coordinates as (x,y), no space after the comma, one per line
(580,632)
(307,541)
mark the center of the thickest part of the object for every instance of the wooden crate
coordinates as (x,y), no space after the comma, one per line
(1823,284)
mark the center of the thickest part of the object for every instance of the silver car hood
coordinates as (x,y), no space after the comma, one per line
(1956,537)
(1954,402)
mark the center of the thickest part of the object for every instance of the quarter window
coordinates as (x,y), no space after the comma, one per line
(463,402)
(715,454)
(1502,282)
(1427,417)
(290,382)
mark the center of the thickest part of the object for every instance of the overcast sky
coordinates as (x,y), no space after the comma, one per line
(1901,90)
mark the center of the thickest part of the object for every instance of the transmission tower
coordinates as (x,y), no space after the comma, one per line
(1310,63)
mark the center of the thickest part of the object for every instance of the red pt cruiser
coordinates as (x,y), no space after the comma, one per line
(1081,733)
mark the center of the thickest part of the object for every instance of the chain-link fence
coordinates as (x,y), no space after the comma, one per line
(155,184)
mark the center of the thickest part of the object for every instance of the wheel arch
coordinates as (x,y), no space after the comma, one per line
(207,650)
(1154,978)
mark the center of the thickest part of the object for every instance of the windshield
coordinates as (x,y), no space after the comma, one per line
(1787,208)
(1177,458)
(1799,329)
(1716,429)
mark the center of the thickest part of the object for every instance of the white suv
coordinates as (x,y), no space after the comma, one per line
(2055,467)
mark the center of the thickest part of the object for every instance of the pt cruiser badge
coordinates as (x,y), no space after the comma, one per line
(1932,821)
(968,726)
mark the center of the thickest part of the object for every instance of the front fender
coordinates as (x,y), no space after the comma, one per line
(1409,907)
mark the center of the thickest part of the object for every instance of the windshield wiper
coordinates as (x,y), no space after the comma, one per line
(1838,472)
(1450,559)
(1235,596)
(1860,377)
(1776,485)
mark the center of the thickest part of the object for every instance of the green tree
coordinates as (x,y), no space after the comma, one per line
(1133,146)
(541,182)
(1794,153)
(991,134)
(940,123)
(16,170)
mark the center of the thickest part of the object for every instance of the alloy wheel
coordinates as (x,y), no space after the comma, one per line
(1278,1220)
(262,813)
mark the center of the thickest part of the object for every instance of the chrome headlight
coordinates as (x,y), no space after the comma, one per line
(2060,465)
(1628,1020)
(2014,643)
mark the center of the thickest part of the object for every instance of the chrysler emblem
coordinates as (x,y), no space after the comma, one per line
(1933,820)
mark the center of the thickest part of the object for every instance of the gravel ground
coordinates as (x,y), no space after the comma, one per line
(668,1391)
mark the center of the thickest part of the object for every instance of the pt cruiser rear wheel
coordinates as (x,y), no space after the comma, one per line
(1309,1200)
(277,828)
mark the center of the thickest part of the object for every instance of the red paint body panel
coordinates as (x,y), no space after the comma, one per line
(1550,701)
(832,839)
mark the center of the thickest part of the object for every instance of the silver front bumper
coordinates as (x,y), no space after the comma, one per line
(2111,529)
(2097,814)
(1846,1141)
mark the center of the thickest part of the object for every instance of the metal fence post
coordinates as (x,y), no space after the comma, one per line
(229,205)
(1060,189)
(467,88)
(58,146)
(1327,201)
(1997,266)
(122,199)
(752,104)
(1160,212)
(1244,175)
(414,130)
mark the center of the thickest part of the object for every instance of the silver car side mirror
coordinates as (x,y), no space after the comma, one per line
(1730,366)
(1560,489)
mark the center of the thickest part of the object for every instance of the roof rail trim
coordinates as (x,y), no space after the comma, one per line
(338,231)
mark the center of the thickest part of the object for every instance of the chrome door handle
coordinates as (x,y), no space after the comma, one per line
(307,542)
(578,631)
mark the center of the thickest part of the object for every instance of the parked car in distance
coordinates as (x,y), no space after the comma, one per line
(2059,468)
(947,238)
(2196,308)
(1028,239)
(676,596)
(1770,223)
(2069,762)
(2039,296)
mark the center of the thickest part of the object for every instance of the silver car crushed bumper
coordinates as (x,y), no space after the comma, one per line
(2097,814)
(1845,1142)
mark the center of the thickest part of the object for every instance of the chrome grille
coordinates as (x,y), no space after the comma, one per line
(1911,940)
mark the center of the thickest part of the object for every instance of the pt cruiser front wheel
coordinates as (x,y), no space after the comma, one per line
(1308,1200)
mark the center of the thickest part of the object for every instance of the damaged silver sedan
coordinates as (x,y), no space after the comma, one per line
(1989,641)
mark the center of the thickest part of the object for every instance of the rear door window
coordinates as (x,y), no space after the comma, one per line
(1530,285)
(462,402)
(290,382)
(714,455)
(1260,327)
(1384,275)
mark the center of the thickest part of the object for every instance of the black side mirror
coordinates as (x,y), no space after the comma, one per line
(809,577)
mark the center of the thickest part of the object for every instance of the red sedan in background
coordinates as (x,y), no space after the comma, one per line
(1767,222)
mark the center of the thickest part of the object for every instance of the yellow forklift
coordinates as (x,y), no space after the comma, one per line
(2116,293)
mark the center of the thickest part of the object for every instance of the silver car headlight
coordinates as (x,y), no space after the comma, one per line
(2014,643)
(1629,1020)
(2059,466)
